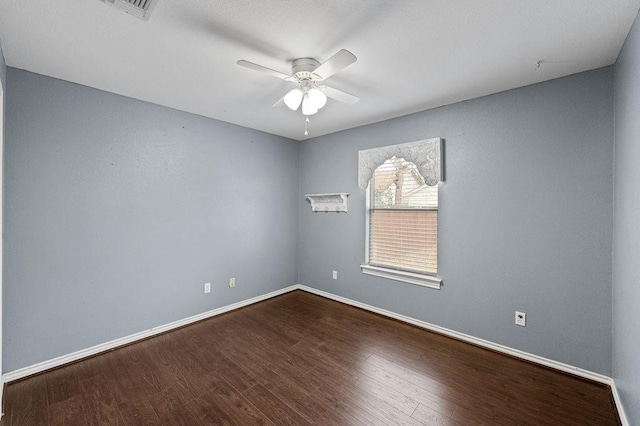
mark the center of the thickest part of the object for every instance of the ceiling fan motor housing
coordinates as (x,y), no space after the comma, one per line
(302,69)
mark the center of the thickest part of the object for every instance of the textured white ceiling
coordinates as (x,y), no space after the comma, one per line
(412,54)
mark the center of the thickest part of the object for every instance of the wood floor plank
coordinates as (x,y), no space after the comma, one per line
(138,412)
(428,395)
(361,397)
(233,374)
(169,405)
(291,393)
(344,408)
(302,359)
(334,418)
(389,396)
(208,412)
(67,412)
(62,384)
(26,402)
(273,408)
(299,322)
(430,417)
(130,379)
(99,405)
(235,405)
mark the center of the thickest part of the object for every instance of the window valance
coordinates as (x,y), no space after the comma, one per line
(425,154)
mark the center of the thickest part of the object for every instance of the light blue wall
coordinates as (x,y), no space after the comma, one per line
(117,211)
(626,246)
(525,218)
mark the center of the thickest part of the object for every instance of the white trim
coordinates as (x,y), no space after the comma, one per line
(618,402)
(596,377)
(405,276)
(367,227)
(75,356)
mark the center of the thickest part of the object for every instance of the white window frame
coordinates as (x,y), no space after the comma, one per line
(424,280)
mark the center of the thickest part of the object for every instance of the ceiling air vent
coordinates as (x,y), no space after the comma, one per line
(139,8)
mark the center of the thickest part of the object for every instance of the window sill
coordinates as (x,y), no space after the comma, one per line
(407,277)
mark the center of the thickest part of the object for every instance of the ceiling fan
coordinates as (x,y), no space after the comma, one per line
(307,73)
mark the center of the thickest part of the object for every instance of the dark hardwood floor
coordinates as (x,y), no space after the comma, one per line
(300,359)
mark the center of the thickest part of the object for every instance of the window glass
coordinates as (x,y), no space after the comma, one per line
(403,219)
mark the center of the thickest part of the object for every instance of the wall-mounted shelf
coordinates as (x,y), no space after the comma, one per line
(336,202)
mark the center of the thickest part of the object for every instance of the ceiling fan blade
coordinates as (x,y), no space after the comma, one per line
(340,60)
(279,102)
(265,70)
(339,95)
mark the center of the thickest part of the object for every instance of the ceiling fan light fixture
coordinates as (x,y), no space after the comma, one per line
(306,72)
(307,106)
(317,98)
(293,99)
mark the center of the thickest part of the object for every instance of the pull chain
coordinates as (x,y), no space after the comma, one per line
(306,127)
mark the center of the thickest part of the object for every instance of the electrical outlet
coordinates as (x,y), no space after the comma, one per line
(207,287)
(335,275)
(521,319)
(232,282)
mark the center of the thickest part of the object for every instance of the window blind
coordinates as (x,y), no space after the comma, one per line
(403,219)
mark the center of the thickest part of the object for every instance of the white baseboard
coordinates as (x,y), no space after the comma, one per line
(469,339)
(619,406)
(75,356)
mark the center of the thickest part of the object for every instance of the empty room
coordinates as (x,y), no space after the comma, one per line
(367,212)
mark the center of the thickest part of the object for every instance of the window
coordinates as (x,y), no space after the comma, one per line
(402,224)
(403,219)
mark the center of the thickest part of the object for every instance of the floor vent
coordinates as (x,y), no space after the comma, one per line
(139,8)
